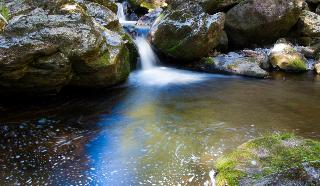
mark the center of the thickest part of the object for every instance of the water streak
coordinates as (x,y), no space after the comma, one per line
(148,58)
(120,12)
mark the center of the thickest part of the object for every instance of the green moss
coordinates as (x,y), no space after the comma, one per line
(298,64)
(281,152)
(228,174)
(4,11)
(102,61)
(207,61)
(231,66)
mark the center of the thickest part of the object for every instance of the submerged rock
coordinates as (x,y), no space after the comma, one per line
(273,160)
(260,21)
(44,49)
(247,63)
(285,57)
(187,32)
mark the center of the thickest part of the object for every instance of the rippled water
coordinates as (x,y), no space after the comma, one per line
(150,131)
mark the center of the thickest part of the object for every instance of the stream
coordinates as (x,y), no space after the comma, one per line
(164,126)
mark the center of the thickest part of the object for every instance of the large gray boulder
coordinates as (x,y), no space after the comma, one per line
(245,63)
(261,22)
(45,48)
(187,32)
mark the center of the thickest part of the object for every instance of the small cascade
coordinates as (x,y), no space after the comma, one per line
(151,74)
(148,58)
(122,17)
(120,13)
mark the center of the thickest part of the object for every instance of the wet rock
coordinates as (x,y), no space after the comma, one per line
(285,57)
(149,4)
(273,160)
(45,49)
(247,63)
(102,15)
(110,4)
(148,19)
(261,22)
(307,51)
(212,6)
(309,24)
(317,11)
(187,33)
(313,1)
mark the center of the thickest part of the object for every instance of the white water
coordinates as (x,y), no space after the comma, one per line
(148,58)
(120,12)
(122,17)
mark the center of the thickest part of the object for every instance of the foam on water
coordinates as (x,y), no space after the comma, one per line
(148,58)
(162,76)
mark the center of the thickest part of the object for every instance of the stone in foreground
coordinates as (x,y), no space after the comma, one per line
(45,48)
(273,160)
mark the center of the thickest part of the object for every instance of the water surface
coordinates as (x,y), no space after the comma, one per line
(163,127)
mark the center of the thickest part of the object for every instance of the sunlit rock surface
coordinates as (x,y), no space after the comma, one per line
(187,32)
(48,46)
(260,21)
(247,63)
(285,57)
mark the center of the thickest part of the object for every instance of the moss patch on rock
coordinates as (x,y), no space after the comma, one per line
(262,157)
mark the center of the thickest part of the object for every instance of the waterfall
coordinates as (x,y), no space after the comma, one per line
(148,58)
(120,12)
(151,74)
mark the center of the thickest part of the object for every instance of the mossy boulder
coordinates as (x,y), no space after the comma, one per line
(260,22)
(187,32)
(245,63)
(272,160)
(285,57)
(45,48)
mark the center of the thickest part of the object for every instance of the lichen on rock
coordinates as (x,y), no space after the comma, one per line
(279,159)
(95,49)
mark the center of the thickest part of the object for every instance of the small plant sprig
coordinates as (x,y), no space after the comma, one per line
(4,12)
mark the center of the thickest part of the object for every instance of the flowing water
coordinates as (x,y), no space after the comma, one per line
(164,126)
(167,133)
